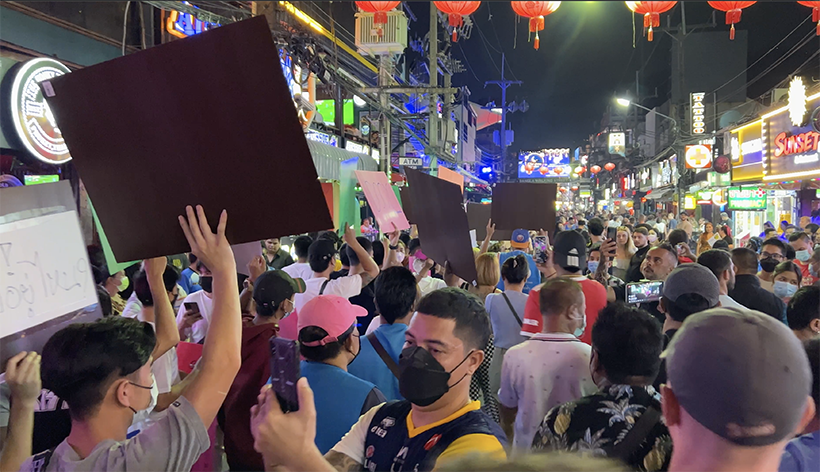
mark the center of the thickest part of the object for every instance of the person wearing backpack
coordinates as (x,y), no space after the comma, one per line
(548,369)
(505,310)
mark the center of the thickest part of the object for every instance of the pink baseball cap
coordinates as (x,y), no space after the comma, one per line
(332,313)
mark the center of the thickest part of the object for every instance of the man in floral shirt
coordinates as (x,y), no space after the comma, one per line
(623,420)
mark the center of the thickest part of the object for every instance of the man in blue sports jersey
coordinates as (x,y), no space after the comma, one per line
(436,423)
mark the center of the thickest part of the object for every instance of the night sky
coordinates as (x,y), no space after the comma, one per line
(586,58)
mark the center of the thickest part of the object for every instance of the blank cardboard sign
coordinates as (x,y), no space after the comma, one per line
(204,120)
(442,223)
(407,204)
(524,205)
(478,214)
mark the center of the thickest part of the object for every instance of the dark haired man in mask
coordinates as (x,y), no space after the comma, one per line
(772,252)
(436,423)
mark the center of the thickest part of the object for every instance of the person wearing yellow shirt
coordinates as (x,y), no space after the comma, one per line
(435,424)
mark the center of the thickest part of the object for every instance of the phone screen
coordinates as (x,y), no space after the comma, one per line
(192,306)
(284,372)
(540,249)
(641,292)
(611,233)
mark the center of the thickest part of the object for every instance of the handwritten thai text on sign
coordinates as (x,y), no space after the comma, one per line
(44,271)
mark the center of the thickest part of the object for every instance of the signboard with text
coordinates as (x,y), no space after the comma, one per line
(749,198)
(746,151)
(792,152)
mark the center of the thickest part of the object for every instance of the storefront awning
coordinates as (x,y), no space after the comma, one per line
(661,193)
(328,160)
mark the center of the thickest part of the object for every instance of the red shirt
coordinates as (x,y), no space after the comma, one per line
(252,375)
(808,279)
(594,295)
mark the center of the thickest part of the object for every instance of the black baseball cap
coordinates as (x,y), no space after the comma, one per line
(275,286)
(321,250)
(570,251)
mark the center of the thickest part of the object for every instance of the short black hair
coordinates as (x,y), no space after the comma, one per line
(745,259)
(776,242)
(378,252)
(192,258)
(321,353)
(414,244)
(332,237)
(82,360)
(686,304)
(395,293)
(405,238)
(798,235)
(769,230)
(642,229)
(813,351)
(344,256)
(595,227)
(582,222)
(514,270)
(143,291)
(716,260)
(803,307)
(628,341)
(812,228)
(301,245)
(472,320)
(677,236)
(352,258)
(790,252)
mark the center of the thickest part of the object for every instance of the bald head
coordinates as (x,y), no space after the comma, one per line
(560,294)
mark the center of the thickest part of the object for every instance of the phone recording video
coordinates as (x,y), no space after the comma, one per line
(540,249)
(643,292)
(611,233)
(284,372)
(192,307)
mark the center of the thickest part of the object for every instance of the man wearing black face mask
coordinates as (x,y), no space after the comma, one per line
(772,252)
(193,322)
(436,423)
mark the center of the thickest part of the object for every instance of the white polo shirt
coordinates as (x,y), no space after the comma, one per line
(541,373)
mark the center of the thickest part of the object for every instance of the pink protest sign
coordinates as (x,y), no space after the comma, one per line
(382,200)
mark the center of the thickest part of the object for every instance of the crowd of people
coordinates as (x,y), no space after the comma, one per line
(404,366)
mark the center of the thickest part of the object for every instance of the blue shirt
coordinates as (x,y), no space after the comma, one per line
(802,454)
(340,399)
(535,276)
(185,281)
(506,329)
(369,366)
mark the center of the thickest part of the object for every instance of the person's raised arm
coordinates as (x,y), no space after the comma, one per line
(485,245)
(370,270)
(221,356)
(165,324)
(256,267)
(23,378)
(425,269)
(390,253)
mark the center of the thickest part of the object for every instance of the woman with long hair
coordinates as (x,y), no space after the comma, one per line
(787,279)
(725,234)
(624,250)
(707,234)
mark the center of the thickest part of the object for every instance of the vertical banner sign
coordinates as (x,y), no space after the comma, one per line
(698,112)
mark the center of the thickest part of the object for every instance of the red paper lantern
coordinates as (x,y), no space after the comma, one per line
(815,12)
(379,10)
(651,12)
(574,188)
(563,189)
(535,11)
(456,11)
(733,10)
(609,166)
(595,169)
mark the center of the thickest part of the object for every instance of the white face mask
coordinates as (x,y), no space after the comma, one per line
(142,415)
(784,289)
(194,278)
(652,238)
(400,256)
(580,331)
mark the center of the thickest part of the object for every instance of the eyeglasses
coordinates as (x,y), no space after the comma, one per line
(765,254)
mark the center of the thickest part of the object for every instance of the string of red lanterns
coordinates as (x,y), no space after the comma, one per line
(535,11)
(815,12)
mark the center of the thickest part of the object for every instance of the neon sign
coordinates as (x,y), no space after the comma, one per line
(698,113)
(797,101)
(788,144)
(183,25)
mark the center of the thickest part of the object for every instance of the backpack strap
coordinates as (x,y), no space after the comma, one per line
(39,463)
(324,285)
(382,352)
(635,437)
(512,309)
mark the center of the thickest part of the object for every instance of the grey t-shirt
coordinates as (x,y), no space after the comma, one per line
(174,442)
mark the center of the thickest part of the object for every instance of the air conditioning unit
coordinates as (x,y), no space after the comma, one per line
(393,39)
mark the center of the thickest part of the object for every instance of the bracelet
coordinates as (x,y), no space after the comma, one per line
(392,247)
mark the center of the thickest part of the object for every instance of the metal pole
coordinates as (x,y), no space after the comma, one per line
(432,124)
(385,64)
(503,111)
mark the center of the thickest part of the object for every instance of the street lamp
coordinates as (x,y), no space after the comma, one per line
(625,102)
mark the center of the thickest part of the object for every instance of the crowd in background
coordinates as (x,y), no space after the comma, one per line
(405,366)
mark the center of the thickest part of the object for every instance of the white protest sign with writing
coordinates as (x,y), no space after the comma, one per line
(44,271)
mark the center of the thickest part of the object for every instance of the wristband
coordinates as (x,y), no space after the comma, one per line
(392,247)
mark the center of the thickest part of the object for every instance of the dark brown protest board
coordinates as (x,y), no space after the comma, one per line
(524,205)
(204,120)
(478,214)
(442,223)
(407,204)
